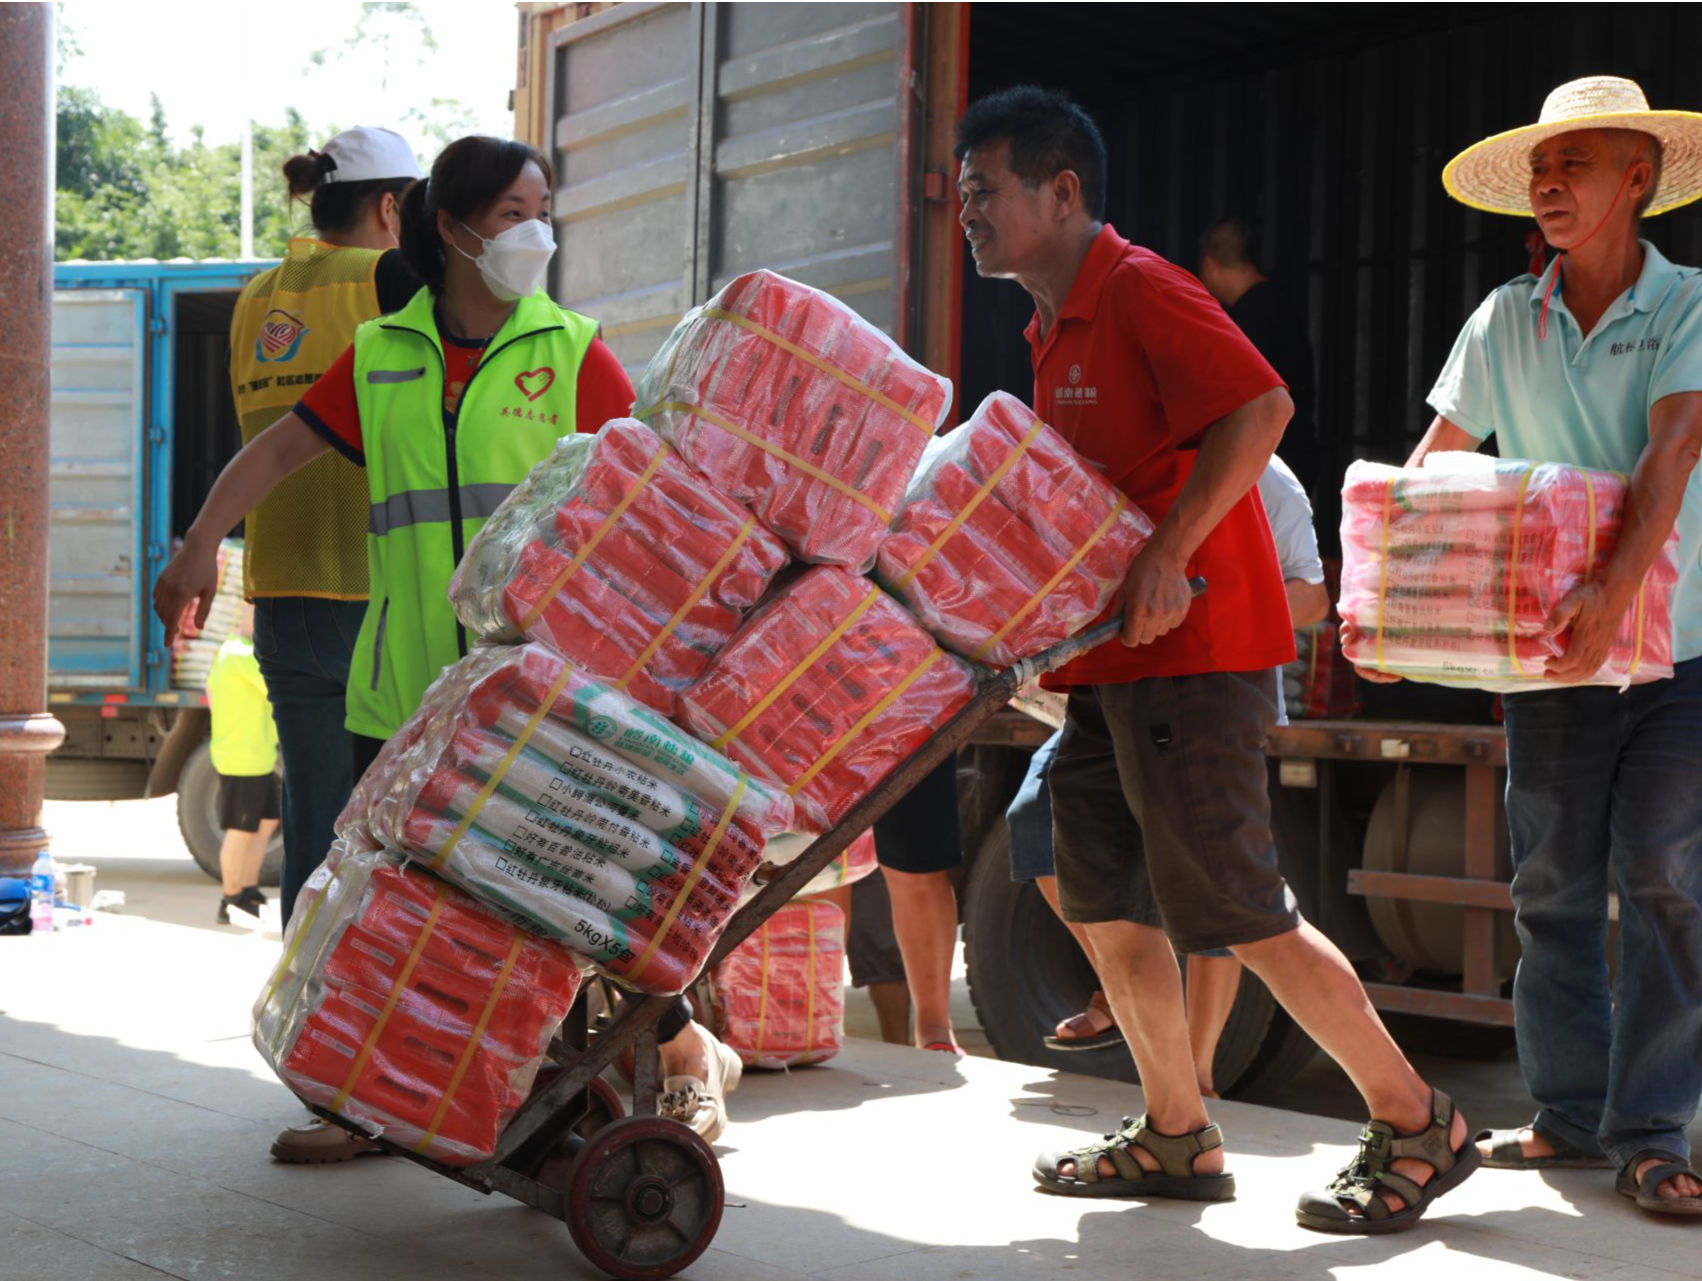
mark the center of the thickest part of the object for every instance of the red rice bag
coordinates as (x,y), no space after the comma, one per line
(779,997)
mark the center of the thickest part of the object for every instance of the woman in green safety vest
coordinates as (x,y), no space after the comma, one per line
(447,404)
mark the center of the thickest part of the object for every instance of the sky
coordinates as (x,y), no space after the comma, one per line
(212,63)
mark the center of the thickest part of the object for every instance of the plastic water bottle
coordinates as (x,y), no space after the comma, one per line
(41,894)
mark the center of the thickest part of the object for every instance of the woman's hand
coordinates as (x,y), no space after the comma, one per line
(191,578)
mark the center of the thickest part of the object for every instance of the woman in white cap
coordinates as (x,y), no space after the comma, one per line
(304,563)
(1597,362)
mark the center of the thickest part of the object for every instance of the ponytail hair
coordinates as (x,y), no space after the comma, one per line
(334,206)
(468,177)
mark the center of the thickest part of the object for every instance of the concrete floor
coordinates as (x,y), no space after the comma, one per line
(136,1118)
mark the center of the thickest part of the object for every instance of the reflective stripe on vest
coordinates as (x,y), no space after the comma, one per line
(434,477)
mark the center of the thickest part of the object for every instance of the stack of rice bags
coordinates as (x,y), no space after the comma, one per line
(1318,684)
(1008,542)
(825,690)
(783,398)
(1451,571)
(572,810)
(621,559)
(779,997)
(403,1005)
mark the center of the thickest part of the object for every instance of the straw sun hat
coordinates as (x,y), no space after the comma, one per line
(1495,174)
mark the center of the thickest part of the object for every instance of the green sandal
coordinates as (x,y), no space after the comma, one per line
(1174,1178)
(1379,1147)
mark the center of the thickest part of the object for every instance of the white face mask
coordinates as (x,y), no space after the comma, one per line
(515,262)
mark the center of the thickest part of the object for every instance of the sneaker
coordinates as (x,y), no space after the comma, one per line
(702,1105)
(248,912)
(318,1142)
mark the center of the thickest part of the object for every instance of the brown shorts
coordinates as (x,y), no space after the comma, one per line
(1159,809)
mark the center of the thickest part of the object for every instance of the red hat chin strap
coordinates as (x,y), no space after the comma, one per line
(1542,316)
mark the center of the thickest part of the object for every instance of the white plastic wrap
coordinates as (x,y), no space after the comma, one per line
(403,1005)
(786,399)
(616,554)
(572,809)
(1451,572)
(1008,542)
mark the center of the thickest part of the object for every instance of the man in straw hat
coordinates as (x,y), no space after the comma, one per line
(1161,821)
(1598,363)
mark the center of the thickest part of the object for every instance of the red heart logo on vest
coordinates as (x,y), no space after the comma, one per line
(535,382)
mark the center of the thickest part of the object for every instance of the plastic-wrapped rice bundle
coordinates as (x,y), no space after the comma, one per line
(787,400)
(408,1008)
(826,688)
(853,864)
(622,559)
(572,809)
(779,997)
(1318,684)
(1008,542)
(1451,571)
(193,652)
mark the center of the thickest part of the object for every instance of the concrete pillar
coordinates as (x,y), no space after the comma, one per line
(27,733)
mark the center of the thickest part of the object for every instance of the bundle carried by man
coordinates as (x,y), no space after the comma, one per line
(1451,572)
(785,399)
(829,685)
(779,997)
(403,1005)
(1007,541)
(573,810)
(614,553)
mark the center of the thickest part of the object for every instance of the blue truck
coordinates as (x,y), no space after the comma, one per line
(142,423)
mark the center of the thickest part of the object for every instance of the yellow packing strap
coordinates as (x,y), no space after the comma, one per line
(1064,571)
(1383,569)
(810,983)
(769,447)
(809,357)
(1590,502)
(691,881)
(811,659)
(597,536)
(402,977)
(473,1043)
(302,931)
(501,771)
(762,991)
(1637,646)
(863,723)
(999,473)
(1513,574)
(690,604)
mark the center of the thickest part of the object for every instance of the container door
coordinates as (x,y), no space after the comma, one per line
(96,524)
(696,142)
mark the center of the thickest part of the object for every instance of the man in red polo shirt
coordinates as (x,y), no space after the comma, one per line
(1158,788)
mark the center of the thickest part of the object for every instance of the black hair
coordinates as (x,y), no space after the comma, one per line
(1231,243)
(1047,132)
(468,176)
(334,206)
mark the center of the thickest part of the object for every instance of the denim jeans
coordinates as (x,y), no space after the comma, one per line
(1029,818)
(1604,784)
(303,645)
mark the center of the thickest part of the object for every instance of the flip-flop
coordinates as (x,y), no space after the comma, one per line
(1112,1035)
(1507,1153)
(1646,1192)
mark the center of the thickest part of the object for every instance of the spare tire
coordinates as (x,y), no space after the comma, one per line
(198,818)
(1026,974)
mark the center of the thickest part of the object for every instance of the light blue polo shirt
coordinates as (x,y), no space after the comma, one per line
(1586,401)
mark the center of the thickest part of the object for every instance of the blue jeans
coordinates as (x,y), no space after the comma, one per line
(1029,818)
(303,645)
(1602,783)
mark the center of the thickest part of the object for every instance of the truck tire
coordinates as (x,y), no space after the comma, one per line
(198,818)
(1026,974)
(81,779)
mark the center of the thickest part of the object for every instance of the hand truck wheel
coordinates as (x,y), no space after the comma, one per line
(644,1198)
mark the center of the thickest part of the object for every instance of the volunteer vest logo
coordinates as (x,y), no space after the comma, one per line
(280,337)
(535,382)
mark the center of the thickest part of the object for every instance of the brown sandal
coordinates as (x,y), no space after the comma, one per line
(1174,1178)
(1106,1037)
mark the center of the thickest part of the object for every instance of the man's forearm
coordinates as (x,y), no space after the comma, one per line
(1443,437)
(1656,494)
(1233,454)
